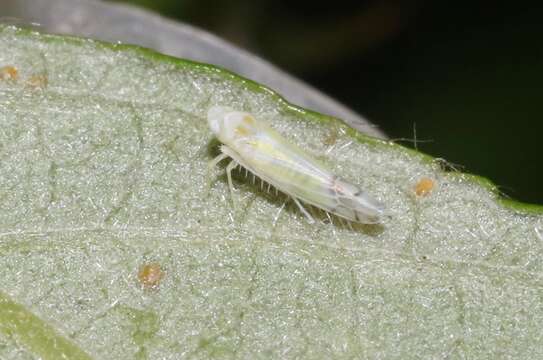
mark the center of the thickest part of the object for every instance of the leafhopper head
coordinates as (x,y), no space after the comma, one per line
(229,125)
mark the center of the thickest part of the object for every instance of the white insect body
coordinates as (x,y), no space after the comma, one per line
(264,152)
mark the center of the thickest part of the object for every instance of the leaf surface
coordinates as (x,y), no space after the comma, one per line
(103,171)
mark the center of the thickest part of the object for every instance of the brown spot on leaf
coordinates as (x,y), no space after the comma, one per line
(331,139)
(38,81)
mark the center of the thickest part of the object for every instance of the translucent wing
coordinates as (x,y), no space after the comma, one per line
(295,173)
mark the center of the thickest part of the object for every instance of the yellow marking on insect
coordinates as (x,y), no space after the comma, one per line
(424,186)
(8,73)
(249,120)
(150,275)
(283,165)
(242,131)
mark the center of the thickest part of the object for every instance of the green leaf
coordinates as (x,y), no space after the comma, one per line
(103,172)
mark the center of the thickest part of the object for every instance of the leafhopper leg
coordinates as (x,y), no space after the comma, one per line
(304,211)
(210,166)
(231,166)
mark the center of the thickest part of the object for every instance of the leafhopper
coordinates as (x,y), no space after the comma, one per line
(261,150)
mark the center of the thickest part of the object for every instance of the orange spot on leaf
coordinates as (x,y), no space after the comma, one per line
(150,275)
(424,186)
(8,73)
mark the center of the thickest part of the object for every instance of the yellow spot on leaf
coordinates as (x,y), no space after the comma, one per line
(424,186)
(8,73)
(150,275)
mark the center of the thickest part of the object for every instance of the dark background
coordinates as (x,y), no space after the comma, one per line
(469,78)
